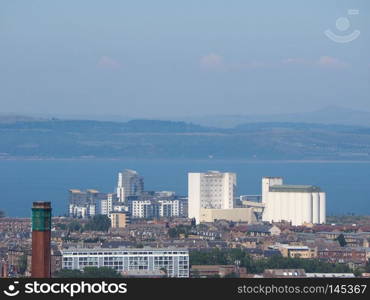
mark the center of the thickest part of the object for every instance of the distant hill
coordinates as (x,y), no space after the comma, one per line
(168,139)
(328,115)
(12,118)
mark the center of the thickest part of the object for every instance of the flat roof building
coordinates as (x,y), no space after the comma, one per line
(119,219)
(233,214)
(298,204)
(174,260)
(211,190)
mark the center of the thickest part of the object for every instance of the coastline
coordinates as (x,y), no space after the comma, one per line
(272,161)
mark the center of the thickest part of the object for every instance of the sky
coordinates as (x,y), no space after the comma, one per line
(168,58)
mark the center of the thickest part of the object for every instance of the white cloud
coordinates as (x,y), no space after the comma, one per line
(216,62)
(295,61)
(323,61)
(328,61)
(106,62)
(212,60)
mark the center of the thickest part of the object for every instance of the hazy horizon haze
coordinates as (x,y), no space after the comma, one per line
(171,59)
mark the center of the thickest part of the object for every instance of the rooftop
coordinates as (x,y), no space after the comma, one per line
(145,249)
(75,191)
(294,188)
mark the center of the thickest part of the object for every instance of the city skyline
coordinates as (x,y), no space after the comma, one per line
(184,139)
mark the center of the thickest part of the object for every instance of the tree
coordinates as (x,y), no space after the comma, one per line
(341,240)
(98,223)
(61,226)
(74,226)
(172,232)
(179,229)
(22,263)
(65,273)
(367,267)
(2,214)
(232,275)
(256,266)
(164,271)
(89,272)
(102,272)
(358,272)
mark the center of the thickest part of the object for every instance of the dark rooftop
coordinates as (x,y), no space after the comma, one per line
(295,188)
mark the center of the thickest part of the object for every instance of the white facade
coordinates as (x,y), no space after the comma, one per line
(84,204)
(169,208)
(210,190)
(120,208)
(153,209)
(175,261)
(111,204)
(298,204)
(77,211)
(267,182)
(240,214)
(106,206)
(140,208)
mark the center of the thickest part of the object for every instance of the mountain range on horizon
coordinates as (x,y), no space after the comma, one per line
(160,139)
(327,115)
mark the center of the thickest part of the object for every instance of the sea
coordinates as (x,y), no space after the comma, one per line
(347,184)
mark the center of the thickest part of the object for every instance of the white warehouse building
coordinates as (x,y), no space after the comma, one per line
(213,190)
(299,204)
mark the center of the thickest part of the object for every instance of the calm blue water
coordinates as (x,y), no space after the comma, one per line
(23,181)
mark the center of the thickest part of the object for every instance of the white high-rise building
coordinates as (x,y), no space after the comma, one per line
(210,190)
(299,204)
(106,205)
(143,209)
(169,208)
(129,184)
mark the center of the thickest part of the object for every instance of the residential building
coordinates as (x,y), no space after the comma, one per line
(204,271)
(295,251)
(211,190)
(355,256)
(106,205)
(143,209)
(174,261)
(152,204)
(259,230)
(84,204)
(119,219)
(130,183)
(169,208)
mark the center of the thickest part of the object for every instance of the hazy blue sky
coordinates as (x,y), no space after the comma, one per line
(174,58)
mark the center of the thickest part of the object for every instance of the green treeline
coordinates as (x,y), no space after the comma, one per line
(96,223)
(88,272)
(256,266)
